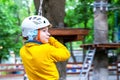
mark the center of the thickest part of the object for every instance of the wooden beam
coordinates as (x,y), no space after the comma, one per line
(69,34)
(105,46)
(68,31)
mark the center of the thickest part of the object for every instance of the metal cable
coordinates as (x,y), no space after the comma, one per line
(40,8)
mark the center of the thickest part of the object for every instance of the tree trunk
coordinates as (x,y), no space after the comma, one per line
(100,27)
(100,71)
(53,10)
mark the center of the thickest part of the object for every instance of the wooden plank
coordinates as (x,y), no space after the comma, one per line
(11,75)
(8,69)
(11,64)
(69,34)
(111,45)
(78,66)
(68,31)
(106,46)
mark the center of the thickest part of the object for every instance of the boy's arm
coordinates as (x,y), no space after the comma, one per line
(58,51)
(55,43)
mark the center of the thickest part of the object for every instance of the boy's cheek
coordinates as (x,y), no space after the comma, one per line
(44,41)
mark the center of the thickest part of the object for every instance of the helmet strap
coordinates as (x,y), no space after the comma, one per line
(38,36)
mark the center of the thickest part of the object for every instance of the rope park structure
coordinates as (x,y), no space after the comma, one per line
(68,35)
(77,34)
(97,53)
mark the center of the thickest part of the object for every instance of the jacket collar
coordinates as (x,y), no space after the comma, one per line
(33,41)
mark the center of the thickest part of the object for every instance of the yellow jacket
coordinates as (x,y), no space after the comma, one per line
(39,59)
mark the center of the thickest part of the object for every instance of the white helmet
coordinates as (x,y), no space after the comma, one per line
(32,23)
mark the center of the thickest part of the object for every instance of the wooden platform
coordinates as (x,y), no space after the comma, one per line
(104,46)
(11,70)
(69,34)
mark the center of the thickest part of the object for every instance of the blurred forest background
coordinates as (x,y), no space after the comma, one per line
(78,14)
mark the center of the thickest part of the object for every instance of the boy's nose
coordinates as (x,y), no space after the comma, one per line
(48,33)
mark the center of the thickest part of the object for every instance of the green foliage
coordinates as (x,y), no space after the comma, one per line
(10,31)
(113,19)
(12,12)
(79,14)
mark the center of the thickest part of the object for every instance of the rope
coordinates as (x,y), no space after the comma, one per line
(40,8)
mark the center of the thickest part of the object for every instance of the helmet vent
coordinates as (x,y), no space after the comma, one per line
(30,18)
(39,19)
(34,17)
(44,22)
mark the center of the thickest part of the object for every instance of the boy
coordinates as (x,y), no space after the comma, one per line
(40,51)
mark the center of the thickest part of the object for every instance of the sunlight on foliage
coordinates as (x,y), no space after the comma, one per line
(11,15)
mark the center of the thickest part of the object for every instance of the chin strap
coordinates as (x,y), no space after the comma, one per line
(38,36)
